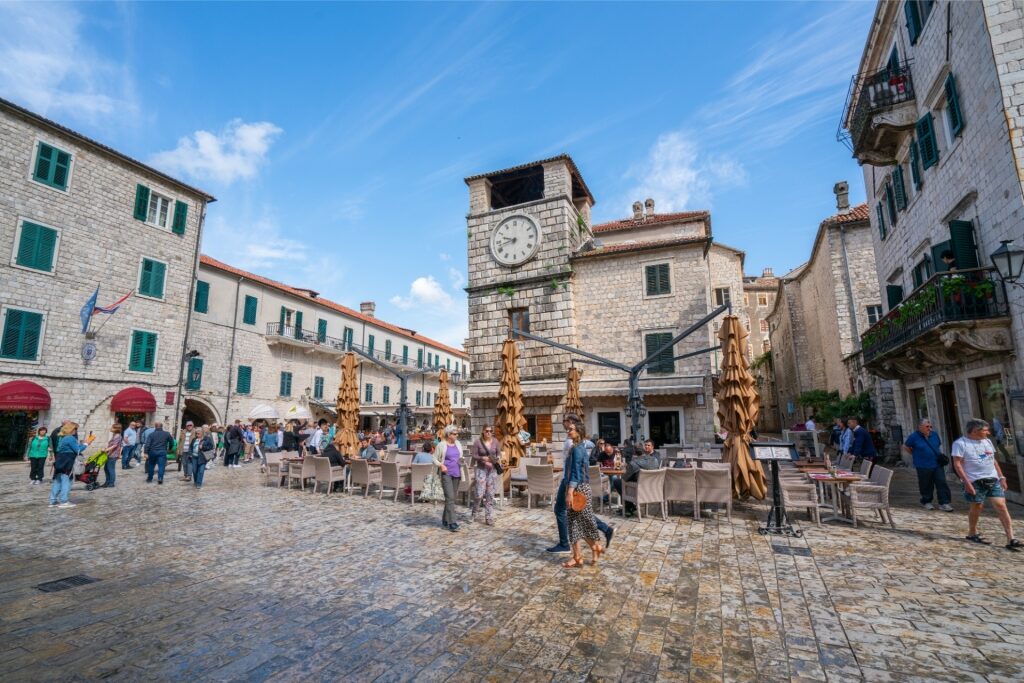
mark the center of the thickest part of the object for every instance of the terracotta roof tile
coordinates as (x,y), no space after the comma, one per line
(519,167)
(856,214)
(643,245)
(629,223)
(345,310)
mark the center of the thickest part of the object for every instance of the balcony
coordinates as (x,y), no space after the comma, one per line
(880,108)
(949,320)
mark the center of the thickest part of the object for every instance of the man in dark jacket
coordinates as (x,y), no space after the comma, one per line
(234,441)
(861,444)
(157,444)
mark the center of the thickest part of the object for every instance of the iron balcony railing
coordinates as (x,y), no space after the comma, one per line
(870,94)
(975,294)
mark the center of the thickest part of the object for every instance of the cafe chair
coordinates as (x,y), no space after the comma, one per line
(648,488)
(873,495)
(599,485)
(801,495)
(302,471)
(540,481)
(391,479)
(846,461)
(276,470)
(327,474)
(465,483)
(681,487)
(405,457)
(363,476)
(417,475)
(865,467)
(714,485)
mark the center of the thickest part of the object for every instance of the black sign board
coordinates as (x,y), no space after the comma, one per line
(773,450)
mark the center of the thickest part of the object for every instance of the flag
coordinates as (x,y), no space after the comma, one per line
(88,309)
(112,308)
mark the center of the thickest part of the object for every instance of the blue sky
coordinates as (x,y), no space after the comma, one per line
(336,136)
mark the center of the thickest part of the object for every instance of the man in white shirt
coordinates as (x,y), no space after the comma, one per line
(130,439)
(810,425)
(975,463)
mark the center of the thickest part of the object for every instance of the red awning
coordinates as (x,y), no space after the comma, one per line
(23,395)
(133,400)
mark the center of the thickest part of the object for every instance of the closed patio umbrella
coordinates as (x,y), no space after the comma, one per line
(573,403)
(348,407)
(442,405)
(510,419)
(738,408)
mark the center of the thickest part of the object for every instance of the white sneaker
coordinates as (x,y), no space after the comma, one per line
(53,505)
(68,504)
(946,507)
(209,465)
(929,506)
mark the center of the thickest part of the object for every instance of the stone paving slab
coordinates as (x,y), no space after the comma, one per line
(243,582)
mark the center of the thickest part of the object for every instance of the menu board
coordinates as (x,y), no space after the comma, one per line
(773,451)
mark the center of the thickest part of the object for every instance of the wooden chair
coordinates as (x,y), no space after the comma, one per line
(327,474)
(363,476)
(714,486)
(648,488)
(302,471)
(391,478)
(540,481)
(681,486)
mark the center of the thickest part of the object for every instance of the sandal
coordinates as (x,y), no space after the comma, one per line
(597,551)
(978,538)
(1014,545)
(574,563)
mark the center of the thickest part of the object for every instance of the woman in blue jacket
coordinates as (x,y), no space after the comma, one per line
(582,525)
(68,448)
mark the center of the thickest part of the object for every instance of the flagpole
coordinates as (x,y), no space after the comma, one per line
(110,315)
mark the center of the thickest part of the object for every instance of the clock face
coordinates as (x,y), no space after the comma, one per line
(515,240)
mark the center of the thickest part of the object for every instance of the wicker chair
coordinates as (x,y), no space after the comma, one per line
(714,485)
(540,481)
(465,482)
(302,471)
(681,486)
(326,474)
(417,476)
(405,457)
(391,478)
(276,470)
(648,488)
(363,476)
(865,467)
(797,495)
(846,461)
(598,485)
(872,496)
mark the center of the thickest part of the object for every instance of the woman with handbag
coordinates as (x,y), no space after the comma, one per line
(448,458)
(487,474)
(203,450)
(579,507)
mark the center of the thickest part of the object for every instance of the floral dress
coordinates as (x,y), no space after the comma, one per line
(485,477)
(582,524)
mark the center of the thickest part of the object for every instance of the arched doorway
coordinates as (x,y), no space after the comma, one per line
(198,413)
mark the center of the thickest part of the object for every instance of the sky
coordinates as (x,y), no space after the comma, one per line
(336,136)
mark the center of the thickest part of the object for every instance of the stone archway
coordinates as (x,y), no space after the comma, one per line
(199,412)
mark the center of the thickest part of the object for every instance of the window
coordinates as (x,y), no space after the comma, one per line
(766,346)
(243,385)
(202,302)
(161,211)
(387,351)
(318,388)
(890,204)
(463,399)
(405,354)
(321,330)
(249,312)
(764,326)
(874,314)
(915,166)
(917,13)
(369,393)
(893,295)
(880,218)
(52,167)
(657,280)
(922,271)
(419,398)
(954,117)
(963,245)
(926,144)
(663,364)
(37,247)
(23,332)
(722,296)
(286,318)
(387,395)
(419,358)
(746,299)
(762,299)
(369,344)
(519,319)
(194,379)
(455,398)
(448,364)
(286,384)
(428,399)
(347,337)
(899,189)
(142,357)
(430,360)
(151,278)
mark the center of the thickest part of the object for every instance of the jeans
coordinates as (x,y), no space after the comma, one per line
(450,485)
(562,518)
(110,470)
(189,465)
(929,478)
(126,456)
(154,462)
(198,465)
(61,485)
(36,468)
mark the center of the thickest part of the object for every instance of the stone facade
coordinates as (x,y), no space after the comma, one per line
(953,370)
(98,242)
(225,341)
(759,294)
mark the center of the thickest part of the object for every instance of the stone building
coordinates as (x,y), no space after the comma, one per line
(264,343)
(820,309)
(758,299)
(74,215)
(934,116)
(619,290)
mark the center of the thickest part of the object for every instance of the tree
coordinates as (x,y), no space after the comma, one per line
(827,405)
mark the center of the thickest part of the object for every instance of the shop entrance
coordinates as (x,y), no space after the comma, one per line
(609,427)
(950,413)
(124,419)
(992,402)
(664,427)
(16,427)
(197,413)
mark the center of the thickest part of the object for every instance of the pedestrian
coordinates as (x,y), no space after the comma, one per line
(576,478)
(925,447)
(114,446)
(37,452)
(142,440)
(313,444)
(203,449)
(999,434)
(835,436)
(486,455)
(257,445)
(234,441)
(249,437)
(448,459)
(425,456)
(157,444)
(810,425)
(366,449)
(129,439)
(861,444)
(68,449)
(185,438)
(975,463)
(220,442)
(561,515)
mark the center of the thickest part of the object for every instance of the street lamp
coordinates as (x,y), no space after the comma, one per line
(1009,262)
(456,377)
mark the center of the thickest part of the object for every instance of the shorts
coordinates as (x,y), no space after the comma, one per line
(984,488)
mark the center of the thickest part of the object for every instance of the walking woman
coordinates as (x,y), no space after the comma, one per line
(203,449)
(38,450)
(582,525)
(114,446)
(68,449)
(448,458)
(487,474)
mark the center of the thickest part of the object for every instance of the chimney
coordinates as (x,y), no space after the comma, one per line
(842,192)
(768,272)
(638,211)
(367,308)
(649,205)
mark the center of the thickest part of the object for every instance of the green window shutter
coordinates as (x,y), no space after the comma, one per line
(926,143)
(938,265)
(151,280)
(894,294)
(347,333)
(890,204)
(286,384)
(159,271)
(369,344)
(146,278)
(244,382)
(663,363)
(387,349)
(913,20)
(318,387)
(369,393)
(180,217)
(143,351)
(202,303)
(298,324)
(419,398)
(36,247)
(918,280)
(419,358)
(195,374)
(387,395)
(141,202)
(52,166)
(60,170)
(321,331)
(651,273)
(405,355)
(21,336)
(899,188)
(249,315)
(915,168)
(135,357)
(880,216)
(44,162)
(280,330)
(448,364)
(961,237)
(956,119)
(430,360)
(149,356)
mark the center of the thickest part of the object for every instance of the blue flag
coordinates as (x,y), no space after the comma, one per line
(87,309)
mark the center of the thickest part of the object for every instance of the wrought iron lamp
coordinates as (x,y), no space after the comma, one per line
(1009,262)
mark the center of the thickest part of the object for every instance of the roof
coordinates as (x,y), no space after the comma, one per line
(561,157)
(630,223)
(856,214)
(644,245)
(45,122)
(306,295)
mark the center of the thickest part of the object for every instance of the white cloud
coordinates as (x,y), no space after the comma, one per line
(427,292)
(237,152)
(456,277)
(46,65)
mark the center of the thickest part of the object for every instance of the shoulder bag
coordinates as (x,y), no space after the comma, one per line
(577,501)
(941,459)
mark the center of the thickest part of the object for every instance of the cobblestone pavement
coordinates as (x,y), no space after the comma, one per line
(244,582)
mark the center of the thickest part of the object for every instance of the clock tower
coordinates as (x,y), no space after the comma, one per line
(524,223)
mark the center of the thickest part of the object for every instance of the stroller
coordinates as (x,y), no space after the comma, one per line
(91,472)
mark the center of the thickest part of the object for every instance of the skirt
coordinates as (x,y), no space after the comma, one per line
(582,524)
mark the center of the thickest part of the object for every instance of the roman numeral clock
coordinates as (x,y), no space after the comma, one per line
(516,240)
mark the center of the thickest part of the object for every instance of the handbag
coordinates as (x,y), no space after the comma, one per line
(941,459)
(577,500)
(495,458)
(432,489)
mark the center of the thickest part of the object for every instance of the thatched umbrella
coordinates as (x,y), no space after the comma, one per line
(348,407)
(573,404)
(738,408)
(510,419)
(442,405)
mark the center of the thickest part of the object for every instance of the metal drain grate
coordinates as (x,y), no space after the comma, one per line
(791,550)
(66,583)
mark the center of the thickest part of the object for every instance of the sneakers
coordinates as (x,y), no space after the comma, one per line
(608,537)
(68,504)
(946,507)
(53,504)
(928,506)
(559,550)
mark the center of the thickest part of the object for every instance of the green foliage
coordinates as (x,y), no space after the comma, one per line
(557,282)
(827,405)
(507,290)
(763,361)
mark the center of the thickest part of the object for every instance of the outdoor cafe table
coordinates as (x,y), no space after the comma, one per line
(837,483)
